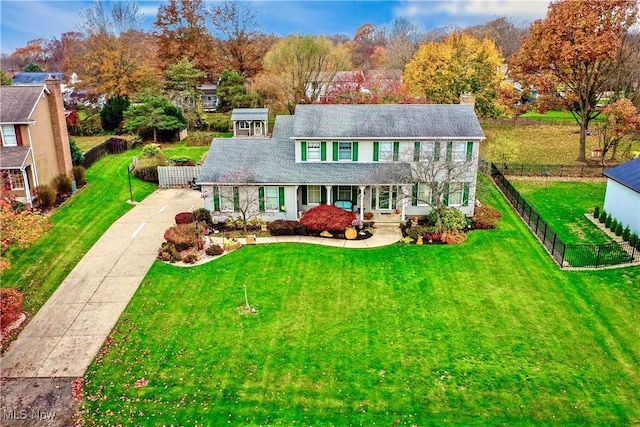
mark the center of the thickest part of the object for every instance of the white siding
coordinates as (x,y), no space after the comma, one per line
(623,204)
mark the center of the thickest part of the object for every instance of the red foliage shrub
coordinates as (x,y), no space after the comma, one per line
(10,306)
(327,217)
(485,217)
(453,237)
(183,236)
(184,218)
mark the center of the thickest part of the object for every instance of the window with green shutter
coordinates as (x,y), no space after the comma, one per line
(469,151)
(281,199)
(303,194)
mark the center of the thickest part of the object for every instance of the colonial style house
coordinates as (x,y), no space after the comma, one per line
(35,143)
(622,195)
(383,159)
(249,121)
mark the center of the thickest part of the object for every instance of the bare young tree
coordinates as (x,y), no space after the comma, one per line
(240,193)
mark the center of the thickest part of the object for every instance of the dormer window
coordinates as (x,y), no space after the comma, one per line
(313,151)
(9,138)
(344,151)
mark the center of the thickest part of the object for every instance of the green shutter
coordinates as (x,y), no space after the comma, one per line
(433,195)
(354,195)
(465,195)
(416,151)
(445,195)
(334,193)
(414,194)
(469,151)
(323,194)
(304,194)
(449,150)
(323,151)
(354,151)
(281,199)
(396,151)
(216,199)
(303,152)
(335,151)
(236,199)
(376,151)
(436,151)
(261,198)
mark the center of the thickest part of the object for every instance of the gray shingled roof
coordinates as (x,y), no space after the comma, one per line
(250,114)
(387,121)
(33,78)
(627,174)
(17,102)
(13,157)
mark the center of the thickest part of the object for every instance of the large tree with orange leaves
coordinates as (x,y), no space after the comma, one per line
(572,53)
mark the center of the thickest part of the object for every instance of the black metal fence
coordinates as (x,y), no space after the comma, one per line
(110,146)
(552,170)
(566,255)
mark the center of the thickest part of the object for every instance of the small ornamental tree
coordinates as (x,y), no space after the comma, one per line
(618,229)
(596,212)
(603,217)
(327,217)
(613,225)
(607,221)
(626,233)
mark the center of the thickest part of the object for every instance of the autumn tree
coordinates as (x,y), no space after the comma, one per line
(367,39)
(181,31)
(304,65)
(442,71)
(402,43)
(182,81)
(151,114)
(504,33)
(622,119)
(240,44)
(243,194)
(571,54)
(4,79)
(34,52)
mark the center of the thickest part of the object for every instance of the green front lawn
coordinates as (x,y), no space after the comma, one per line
(563,204)
(487,332)
(76,226)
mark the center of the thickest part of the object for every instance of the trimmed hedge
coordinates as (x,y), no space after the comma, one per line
(62,184)
(283,227)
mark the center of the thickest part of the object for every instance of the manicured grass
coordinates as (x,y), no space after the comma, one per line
(488,332)
(556,117)
(562,204)
(38,270)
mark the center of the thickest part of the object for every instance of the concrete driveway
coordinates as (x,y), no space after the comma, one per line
(67,332)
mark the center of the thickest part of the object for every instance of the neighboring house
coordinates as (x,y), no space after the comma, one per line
(30,79)
(358,157)
(249,121)
(622,196)
(35,143)
(209,98)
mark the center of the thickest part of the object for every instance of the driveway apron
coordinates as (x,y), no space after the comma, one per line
(68,331)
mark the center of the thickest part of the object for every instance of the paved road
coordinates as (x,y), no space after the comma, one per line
(67,332)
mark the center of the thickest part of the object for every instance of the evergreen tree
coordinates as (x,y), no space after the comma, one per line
(112,114)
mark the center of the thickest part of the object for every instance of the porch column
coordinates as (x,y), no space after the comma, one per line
(27,189)
(406,193)
(328,188)
(362,188)
(295,202)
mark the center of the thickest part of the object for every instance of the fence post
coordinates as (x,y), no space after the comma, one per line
(598,256)
(564,250)
(553,246)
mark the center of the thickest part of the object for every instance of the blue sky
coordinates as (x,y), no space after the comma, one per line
(24,20)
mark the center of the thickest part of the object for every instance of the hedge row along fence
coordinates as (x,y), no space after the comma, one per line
(566,255)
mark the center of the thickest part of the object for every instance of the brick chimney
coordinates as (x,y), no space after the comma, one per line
(59,126)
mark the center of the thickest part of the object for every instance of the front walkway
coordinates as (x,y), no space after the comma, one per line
(67,332)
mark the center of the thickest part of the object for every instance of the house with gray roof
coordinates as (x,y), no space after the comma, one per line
(363,158)
(34,145)
(249,121)
(622,195)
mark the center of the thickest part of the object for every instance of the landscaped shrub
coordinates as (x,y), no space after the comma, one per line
(80,175)
(183,236)
(613,225)
(453,237)
(203,215)
(415,232)
(147,168)
(626,233)
(168,252)
(214,250)
(603,217)
(607,222)
(77,156)
(327,217)
(633,239)
(190,258)
(150,150)
(62,184)
(452,218)
(199,140)
(596,212)
(184,218)
(485,217)
(283,227)
(181,161)
(10,306)
(46,195)
(618,229)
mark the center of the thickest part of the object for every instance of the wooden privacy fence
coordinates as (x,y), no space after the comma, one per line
(177,176)
(110,146)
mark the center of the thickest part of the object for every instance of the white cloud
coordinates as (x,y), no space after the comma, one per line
(468,9)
